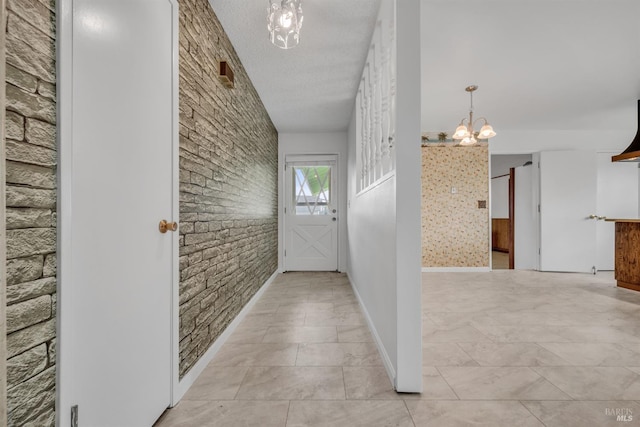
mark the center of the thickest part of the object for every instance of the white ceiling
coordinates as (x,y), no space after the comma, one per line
(540,64)
(311,87)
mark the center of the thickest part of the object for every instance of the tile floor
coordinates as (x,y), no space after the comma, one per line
(500,349)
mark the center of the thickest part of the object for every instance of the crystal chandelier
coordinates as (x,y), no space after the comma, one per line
(465,131)
(284,22)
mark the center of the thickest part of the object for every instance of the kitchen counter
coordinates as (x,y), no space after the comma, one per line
(627,253)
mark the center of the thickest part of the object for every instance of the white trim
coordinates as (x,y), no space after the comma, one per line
(175,211)
(191,376)
(455,269)
(391,372)
(64,321)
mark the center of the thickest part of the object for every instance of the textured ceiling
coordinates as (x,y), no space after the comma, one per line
(311,87)
(540,64)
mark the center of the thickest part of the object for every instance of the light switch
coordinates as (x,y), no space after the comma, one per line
(454,190)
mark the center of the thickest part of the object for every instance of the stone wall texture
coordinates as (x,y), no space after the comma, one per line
(228,185)
(31,211)
(455,232)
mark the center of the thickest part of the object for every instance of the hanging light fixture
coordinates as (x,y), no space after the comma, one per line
(465,133)
(284,22)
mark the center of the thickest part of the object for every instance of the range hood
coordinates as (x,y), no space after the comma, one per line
(632,153)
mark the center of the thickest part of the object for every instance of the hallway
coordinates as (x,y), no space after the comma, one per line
(500,349)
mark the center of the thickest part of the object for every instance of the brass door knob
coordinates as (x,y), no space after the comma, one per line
(165,226)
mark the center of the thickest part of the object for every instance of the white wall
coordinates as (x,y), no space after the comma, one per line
(500,197)
(315,143)
(384,221)
(501,163)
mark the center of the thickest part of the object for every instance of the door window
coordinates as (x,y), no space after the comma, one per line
(312,190)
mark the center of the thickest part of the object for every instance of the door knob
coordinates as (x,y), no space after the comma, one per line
(165,226)
(593,216)
(602,217)
(334,219)
(334,211)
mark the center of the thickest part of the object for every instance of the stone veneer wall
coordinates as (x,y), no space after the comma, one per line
(228,185)
(31,211)
(455,232)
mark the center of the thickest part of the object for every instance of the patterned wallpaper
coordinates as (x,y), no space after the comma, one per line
(455,232)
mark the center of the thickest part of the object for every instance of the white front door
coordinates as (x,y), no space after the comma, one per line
(617,198)
(568,211)
(117,276)
(311,216)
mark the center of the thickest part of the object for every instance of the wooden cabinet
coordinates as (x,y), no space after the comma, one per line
(628,254)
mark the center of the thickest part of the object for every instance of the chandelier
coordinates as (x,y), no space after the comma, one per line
(284,22)
(465,131)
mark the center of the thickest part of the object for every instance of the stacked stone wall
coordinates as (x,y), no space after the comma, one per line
(31,158)
(228,185)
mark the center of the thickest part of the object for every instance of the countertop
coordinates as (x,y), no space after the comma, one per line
(622,220)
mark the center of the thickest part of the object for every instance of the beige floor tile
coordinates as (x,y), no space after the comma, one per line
(525,333)
(217,383)
(512,354)
(594,383)
(594,354)
(455,334)
(358,333)
(350,413)
(301,334)
(338,354)
(273,319)
(347,307)
(225,414)
(500,384)
(434,387)
(445,354)
(280,354)
(247,335)
(292,382)
(584,413)
(368,382)
(465,413)
(332,318)
(305,307)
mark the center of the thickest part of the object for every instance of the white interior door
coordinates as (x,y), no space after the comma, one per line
(311,216)
(617,198)
(122,167)
(567,203)
(526,220)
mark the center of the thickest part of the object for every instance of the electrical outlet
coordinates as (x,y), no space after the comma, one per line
(454,190)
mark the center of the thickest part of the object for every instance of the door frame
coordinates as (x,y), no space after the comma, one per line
(334,157)
(65,297)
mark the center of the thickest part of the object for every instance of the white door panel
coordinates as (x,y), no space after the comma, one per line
(567,199)
(122,266)
(526,217)
(617,198)
(311,218)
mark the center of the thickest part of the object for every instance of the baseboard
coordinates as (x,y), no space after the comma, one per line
(193,374)
(381,349)
(455,269)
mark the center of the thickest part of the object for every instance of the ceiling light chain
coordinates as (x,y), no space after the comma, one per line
(465,132)
(284,19)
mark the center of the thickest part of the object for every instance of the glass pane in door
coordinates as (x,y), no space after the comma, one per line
(312,190)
